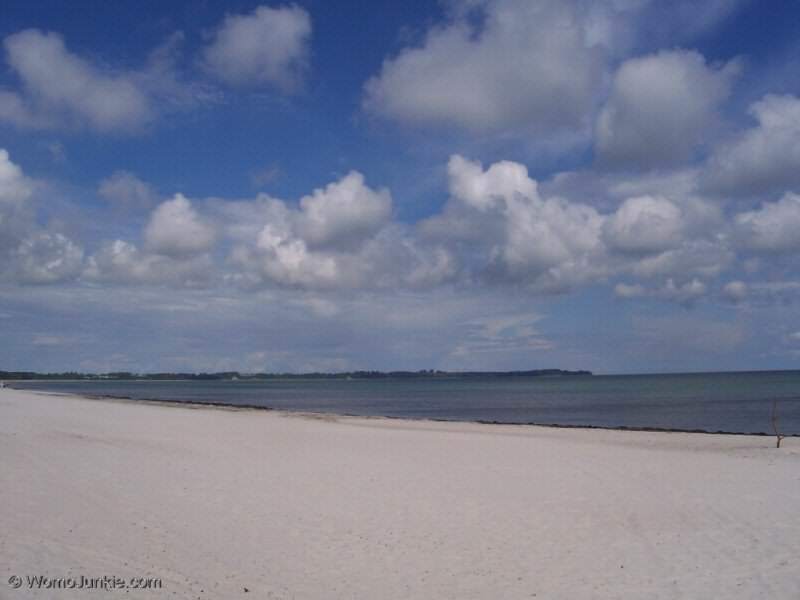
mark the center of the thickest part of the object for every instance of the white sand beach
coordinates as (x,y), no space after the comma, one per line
(224,503)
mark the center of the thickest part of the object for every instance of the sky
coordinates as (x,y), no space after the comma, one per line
(610,185)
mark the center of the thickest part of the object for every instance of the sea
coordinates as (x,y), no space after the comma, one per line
(712,402)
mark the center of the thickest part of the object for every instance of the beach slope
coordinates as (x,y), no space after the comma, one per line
(220,503)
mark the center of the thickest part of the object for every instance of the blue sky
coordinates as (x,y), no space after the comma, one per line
(464,184)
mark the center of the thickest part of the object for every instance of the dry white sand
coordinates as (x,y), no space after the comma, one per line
(214,501)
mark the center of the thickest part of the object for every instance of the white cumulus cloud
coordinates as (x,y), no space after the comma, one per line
(497,219)
(686,292)
(30,253)
(15,188)
(645,225)
(534,65)
(774,227)
(176,229)
(763,158)
(126,191)
(44,257)
(122,262)
(339,236)
(661,107)
(344,212)
(60,88)
(267,46)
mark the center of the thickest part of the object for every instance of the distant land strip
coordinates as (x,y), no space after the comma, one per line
(236,376)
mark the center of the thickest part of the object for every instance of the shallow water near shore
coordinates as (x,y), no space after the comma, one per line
(727,402)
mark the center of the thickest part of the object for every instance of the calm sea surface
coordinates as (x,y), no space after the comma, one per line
(732,402)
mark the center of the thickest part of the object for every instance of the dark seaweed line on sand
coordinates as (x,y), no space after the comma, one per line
(228,405)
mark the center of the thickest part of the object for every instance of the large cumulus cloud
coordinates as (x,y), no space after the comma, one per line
(29,252)
(661,107)
(530,64)
(761,159)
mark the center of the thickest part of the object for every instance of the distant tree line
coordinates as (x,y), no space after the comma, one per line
(235,375)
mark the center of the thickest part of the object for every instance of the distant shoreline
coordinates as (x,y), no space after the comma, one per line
(237,376)
(33,376)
